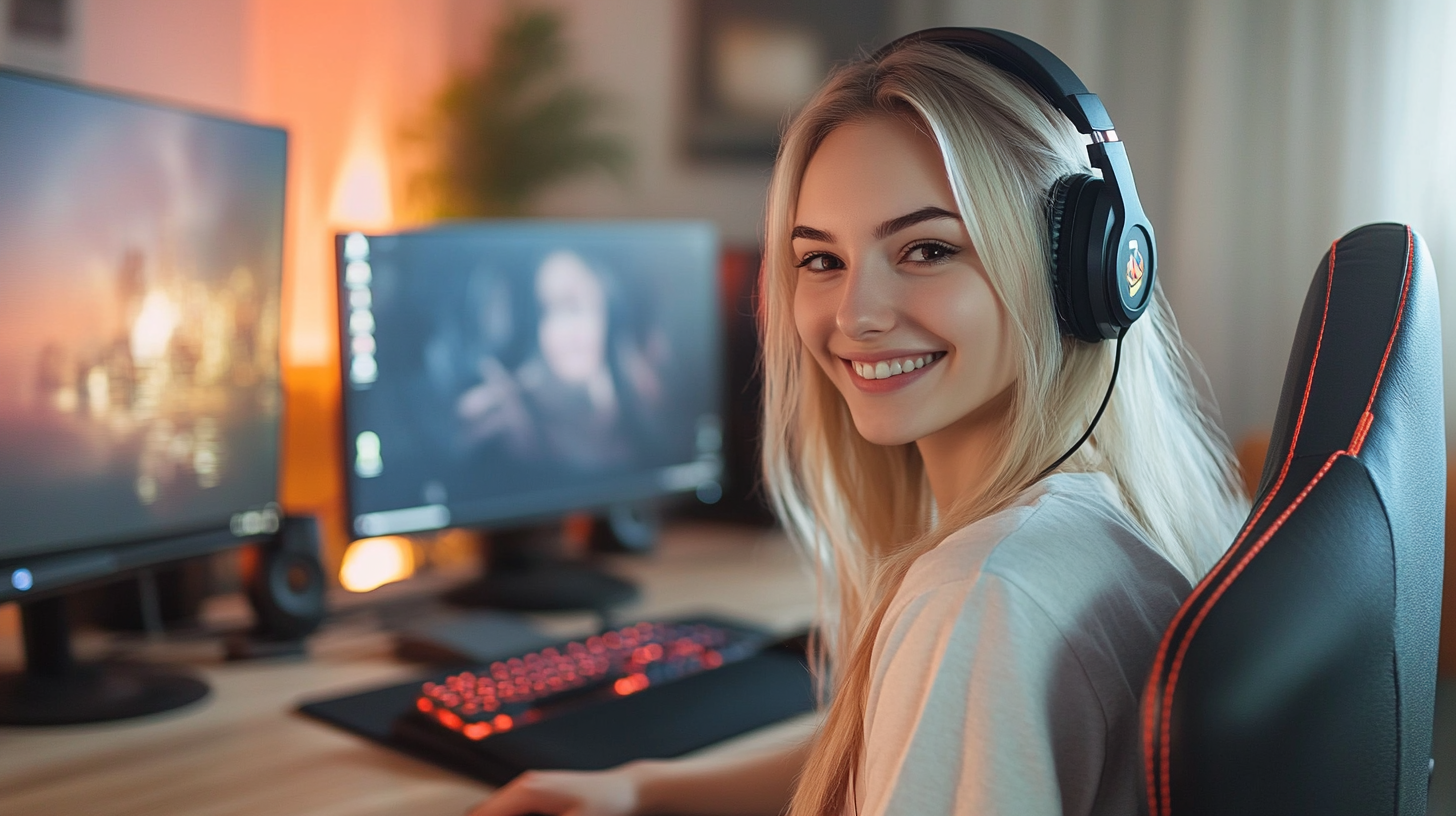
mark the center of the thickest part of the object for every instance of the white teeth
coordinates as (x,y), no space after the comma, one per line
(882,370)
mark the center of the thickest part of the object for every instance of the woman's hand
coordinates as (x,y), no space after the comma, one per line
(746,783)
(495,408)
(566,793)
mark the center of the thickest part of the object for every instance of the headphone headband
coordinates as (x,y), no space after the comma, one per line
(1024,58)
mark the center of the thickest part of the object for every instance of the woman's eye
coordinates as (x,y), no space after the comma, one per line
(820,262)
(930,252)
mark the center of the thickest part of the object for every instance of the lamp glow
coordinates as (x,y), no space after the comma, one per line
(361,195)
(370,563)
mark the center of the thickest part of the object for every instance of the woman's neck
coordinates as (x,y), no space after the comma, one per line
(958,457)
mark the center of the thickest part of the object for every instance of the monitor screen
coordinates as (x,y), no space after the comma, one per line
(501,371)
(140,258)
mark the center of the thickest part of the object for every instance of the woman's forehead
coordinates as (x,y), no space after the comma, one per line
(868,171)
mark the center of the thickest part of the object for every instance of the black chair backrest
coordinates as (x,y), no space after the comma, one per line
(1299,676)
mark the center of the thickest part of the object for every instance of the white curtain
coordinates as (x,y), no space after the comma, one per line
(1260,131)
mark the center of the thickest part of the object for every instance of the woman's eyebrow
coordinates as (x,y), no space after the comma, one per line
(894,225)
(811,234)
(888,228)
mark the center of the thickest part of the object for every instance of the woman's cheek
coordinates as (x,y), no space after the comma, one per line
(969,315)
(813,325)
(986,337)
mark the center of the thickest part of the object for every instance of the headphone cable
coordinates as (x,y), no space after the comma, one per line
(1116,363)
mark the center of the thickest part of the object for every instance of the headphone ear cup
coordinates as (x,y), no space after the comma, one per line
(1072,202)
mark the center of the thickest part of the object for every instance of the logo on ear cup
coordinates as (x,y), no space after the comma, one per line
(1135,268)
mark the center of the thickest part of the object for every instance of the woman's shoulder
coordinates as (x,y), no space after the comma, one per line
(1051,515)
(1066,544)
(1020,644)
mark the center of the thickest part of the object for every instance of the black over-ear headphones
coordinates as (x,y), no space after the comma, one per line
(1103,255)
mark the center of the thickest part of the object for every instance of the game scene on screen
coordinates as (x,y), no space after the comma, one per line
(139,277)
(499,371)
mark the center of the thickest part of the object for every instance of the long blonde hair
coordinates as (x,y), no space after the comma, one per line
(864,512)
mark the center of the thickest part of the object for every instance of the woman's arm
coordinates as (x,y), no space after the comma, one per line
(757,784)
(742,784)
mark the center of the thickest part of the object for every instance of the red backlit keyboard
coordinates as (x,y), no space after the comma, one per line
(526,689)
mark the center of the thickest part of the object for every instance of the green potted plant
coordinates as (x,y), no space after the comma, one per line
(502,131)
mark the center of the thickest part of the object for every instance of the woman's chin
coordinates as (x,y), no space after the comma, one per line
(880,431)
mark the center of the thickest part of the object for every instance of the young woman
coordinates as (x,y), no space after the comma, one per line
(988,626)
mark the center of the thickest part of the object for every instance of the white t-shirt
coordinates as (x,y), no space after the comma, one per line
(1009,666)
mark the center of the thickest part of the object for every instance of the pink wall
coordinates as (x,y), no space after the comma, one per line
(181,50)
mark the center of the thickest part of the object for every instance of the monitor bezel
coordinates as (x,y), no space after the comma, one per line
(64,571)
(144,99)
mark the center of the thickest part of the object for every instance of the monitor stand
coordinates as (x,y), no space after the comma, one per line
(525,572)
(53,689)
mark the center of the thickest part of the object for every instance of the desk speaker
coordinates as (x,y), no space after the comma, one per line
(286,582)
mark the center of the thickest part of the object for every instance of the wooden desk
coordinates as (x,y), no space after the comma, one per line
(243,751)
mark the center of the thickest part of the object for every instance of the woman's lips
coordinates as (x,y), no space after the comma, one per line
(890,373)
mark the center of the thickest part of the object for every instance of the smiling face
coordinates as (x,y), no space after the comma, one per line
(891,298)
(573,330)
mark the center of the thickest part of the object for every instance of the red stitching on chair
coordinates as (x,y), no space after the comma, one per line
(1361,428)
(1162,806)
(1218,593)
(1358,441)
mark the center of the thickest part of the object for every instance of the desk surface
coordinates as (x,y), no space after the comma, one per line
(244,750)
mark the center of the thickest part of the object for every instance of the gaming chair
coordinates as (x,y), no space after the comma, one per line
(1299,676)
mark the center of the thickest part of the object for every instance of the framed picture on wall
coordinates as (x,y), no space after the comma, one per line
(754,62)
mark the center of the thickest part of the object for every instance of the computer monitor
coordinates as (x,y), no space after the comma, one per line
(140,259)
(499,373)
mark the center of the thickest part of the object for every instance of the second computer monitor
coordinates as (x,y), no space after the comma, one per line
(141,250)
(502,371)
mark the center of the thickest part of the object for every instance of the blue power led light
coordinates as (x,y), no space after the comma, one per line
(21,579)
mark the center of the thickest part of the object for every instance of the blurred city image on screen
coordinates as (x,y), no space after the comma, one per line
(500,371)
(140,252)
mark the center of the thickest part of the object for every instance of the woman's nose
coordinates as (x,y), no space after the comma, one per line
(867,303)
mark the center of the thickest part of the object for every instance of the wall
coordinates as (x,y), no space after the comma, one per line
(181,51)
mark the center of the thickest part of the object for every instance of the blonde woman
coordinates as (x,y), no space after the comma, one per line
(994,581)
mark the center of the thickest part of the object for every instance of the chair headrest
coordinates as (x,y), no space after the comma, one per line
(1364,374)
